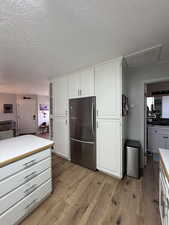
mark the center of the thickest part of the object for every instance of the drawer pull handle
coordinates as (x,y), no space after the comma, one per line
(30,176)
(31,163)
(30,190)
(165,137)
(32,203)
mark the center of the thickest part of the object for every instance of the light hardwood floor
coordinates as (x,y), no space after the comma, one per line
(83,197)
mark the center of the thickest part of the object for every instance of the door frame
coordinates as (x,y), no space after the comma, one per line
(144,132)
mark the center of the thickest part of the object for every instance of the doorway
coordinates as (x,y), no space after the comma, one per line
(27,118)
(156,118)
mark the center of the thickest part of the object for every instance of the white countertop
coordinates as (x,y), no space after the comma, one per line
(16,148)
(164,153)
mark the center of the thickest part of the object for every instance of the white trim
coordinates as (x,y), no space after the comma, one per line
(60,155)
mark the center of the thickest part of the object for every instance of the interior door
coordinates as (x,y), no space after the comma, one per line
(27,113)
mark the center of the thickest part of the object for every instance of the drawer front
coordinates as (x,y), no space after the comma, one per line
(22,164)
(21,192)
(164,132)
(15,214)
(24,176)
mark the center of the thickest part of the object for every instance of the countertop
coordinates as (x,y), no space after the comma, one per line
(17,148)
(164,154)
(158,127)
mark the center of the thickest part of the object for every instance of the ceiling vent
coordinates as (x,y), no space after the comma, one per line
(144,57)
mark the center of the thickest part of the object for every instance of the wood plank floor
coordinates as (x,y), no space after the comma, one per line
(83,197)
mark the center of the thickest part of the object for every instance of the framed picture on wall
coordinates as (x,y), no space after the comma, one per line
(43,107)
(8,108)
(124,105)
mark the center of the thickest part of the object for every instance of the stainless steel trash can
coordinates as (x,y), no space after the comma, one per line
(133,158)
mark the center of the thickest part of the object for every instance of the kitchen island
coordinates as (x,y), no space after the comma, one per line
(164,186)
(25,176)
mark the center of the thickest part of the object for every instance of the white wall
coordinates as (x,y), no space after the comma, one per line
(135,88)
(43,100)
(7,99)
(165,107)
(14,99)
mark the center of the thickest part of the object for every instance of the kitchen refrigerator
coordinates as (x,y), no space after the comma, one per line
(82,116)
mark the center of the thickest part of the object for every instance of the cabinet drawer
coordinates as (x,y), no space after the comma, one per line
(15,214)
(24,176)
(164,132)
(22,164)
(21,192)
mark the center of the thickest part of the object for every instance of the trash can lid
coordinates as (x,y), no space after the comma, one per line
(133,143)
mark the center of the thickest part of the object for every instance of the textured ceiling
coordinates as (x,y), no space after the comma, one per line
(44,38)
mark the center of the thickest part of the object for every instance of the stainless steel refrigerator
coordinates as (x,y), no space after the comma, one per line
(82,114)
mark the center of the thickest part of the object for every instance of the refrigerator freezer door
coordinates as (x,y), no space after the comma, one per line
(83,153)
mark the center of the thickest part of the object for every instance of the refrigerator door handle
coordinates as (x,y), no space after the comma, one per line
(85,142)
(92,119)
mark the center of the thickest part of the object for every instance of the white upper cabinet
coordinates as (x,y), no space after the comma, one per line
(60,96)
(74,85)
(87,83)
(109,146)
(81,84)
(108,89)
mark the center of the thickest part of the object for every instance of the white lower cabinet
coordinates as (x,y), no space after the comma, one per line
(61,136)
(23,188)
(24,207)
(21,192)
(22,177)
(158,137)
(23,164)
(109,145)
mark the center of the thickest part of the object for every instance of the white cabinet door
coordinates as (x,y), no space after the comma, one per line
(108,89)
(81,84)
(60,96)
(60,136)
(109,146)
(87,83)
(74,85)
